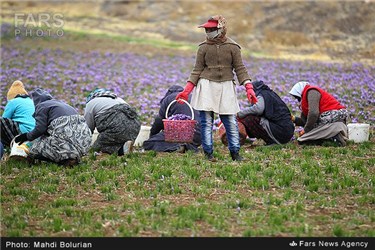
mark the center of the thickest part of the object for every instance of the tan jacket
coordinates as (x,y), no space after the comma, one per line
(216,62)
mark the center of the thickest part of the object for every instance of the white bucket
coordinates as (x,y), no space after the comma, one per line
(359,132)
(143,135)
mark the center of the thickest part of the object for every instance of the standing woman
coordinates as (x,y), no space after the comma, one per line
(215,90)
(18,114)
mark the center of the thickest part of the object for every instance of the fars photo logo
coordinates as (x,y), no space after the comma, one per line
(38,24)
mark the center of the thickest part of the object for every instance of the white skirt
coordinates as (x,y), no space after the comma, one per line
(219,97)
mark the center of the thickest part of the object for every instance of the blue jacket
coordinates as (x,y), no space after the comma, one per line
(47,109)
(21,110)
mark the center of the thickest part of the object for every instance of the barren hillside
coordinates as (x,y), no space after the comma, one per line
(333,28)
(309,29)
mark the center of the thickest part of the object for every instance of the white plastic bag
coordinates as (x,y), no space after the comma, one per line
(17,150)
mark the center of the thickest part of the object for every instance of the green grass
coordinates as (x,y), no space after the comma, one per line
(277,191)
(82,34)
(79,34)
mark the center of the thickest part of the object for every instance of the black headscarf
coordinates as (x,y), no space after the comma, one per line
(275,108)
(172,89)
(276,112)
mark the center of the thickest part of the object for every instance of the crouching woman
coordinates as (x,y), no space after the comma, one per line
(116,121)
(268,119)
(323,117)
(61,135)
(157,142)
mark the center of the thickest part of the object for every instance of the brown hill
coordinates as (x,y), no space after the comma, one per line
(344,29)
(303,29)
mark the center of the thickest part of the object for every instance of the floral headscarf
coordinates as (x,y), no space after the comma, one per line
(100,92)
(221,23)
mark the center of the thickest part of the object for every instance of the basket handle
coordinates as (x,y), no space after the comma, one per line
(191,109)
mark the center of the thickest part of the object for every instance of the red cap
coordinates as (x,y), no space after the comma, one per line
(209,24)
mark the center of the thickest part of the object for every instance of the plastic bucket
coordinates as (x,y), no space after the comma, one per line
(359,132)
(143,135)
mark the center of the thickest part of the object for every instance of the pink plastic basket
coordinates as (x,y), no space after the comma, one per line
(179,130)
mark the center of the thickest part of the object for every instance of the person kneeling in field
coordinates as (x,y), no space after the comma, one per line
(116,121)
(18,114)
(157,141)
(60,135)
(268,119)
(323,117)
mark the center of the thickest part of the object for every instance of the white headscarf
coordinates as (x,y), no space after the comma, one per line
(298,88)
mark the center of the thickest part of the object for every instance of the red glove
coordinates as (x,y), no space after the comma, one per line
(185,93)
(250,93)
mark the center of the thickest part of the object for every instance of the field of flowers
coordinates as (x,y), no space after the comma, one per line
(141,80)
(282,190)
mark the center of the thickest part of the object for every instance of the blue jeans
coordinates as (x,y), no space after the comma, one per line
(231,127)
(1,150)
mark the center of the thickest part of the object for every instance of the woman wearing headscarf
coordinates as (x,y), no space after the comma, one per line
(61,135)
(268,119)
(18,113)
(212,79)
(116,121)
(323,117)
(157,141)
